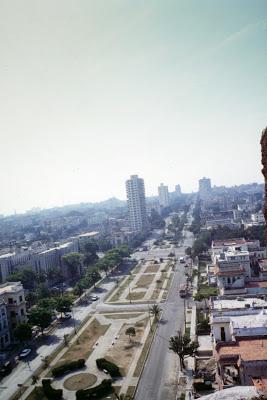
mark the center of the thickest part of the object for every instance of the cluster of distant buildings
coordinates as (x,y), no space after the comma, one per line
(231,207)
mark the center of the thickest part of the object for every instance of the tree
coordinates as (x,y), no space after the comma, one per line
(55,275)
(26,276)
(74,263)
(43,291)
(31,298)
(93,276)
(155,310)
(183,347)
(47,303)
(130,332)
(23,332)
(64,304)
(78,289)
(41,317)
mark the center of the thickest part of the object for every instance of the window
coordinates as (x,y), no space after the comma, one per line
(6,338)
(20,299)
(10,300)
(222,334)
(22,312)
(12,314)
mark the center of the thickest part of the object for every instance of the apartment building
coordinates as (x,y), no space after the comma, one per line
(136,202)
(13,296)
(10,261)
(204,188)
(163,192)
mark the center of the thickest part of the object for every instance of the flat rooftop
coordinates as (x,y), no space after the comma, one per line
(228,242)
(234,304)
(10,287)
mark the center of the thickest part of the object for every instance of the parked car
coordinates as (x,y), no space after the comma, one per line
(24,353)
(94,298)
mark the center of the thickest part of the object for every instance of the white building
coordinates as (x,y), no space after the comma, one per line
(163,192)
(136,201)
(204,189)
(12,294)
(10,261)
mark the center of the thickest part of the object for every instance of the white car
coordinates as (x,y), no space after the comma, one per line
(25,353)
(94,298)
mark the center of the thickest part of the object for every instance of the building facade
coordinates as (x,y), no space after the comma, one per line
(13,296)
(163,192)
(136,202)
(204,188)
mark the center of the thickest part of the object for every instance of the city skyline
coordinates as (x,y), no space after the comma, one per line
(171,91)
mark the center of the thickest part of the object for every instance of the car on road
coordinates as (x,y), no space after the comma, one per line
(182,260)
(94,298)
(24,353)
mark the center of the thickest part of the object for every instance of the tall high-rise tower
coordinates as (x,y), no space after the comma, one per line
(204,188)
(136,200)
(163,192)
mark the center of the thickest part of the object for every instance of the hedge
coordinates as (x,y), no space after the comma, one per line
(112,368)
(50,392)
(59,371)
(96,392)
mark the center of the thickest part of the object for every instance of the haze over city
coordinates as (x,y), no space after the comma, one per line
(94,91)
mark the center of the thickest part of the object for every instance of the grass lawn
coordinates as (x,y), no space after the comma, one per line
(80,381)
(124,349)
(207,291)
(152,268)
(145,280)
(82,348)
(135,296)
(146,347)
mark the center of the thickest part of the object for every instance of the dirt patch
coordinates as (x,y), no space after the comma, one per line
(123,351)
(82,348)
(80,381)
(145,280)
(135,295)
(152,268)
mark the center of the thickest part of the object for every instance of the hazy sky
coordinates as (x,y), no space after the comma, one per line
(94,91)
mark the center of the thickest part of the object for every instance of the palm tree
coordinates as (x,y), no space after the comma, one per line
(155,310)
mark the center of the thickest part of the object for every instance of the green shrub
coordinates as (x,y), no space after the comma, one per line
(50,392)
(96,392)
(112,368)
(59,371)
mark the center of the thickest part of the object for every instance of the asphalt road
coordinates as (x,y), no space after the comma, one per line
(159,378)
